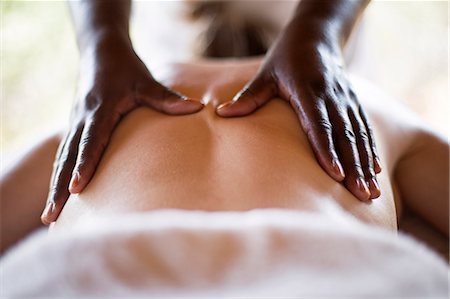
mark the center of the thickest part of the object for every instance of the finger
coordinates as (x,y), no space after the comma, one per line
(365,154)
(319,132)
(254,95)
(59,192)
(94,140)
(376,159)
(345,140)
(166,100)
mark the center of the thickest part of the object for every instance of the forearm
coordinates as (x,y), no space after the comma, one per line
(95,19)
(330,21)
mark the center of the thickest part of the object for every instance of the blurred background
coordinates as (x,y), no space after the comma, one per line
(407,42)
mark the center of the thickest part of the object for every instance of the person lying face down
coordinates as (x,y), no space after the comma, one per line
(251,179)
(304,67)
(204,162)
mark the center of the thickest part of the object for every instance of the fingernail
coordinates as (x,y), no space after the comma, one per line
(362,186)
(224,105)
(377,165)
(338,168)
(74,182)
(192,103)
(374,188)
(190,100)
(49,208)
(375,183)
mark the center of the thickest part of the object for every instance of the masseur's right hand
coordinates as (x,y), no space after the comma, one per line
(113,82)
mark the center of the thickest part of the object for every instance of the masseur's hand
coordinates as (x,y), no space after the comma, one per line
(113,82)
(308,71)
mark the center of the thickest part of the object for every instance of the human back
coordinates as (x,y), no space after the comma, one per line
(204,162)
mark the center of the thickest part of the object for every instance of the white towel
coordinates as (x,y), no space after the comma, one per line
(261,253)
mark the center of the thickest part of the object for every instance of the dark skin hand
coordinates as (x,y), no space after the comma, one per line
(113,82)
(305,67)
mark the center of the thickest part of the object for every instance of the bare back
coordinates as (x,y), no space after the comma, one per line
(204,162)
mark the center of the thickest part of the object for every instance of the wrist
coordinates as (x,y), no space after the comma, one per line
(314,31)
(106,41)
(299,41)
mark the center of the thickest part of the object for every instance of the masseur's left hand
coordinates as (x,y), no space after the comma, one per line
(305,67)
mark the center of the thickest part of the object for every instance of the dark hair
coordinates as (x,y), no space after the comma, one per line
(228,34)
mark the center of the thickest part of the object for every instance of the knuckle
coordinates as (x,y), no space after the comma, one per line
(319,128)
(357,166)
(353,95)
(338,88)
(92,101)
(84,142)
(363,136)
(324,127)
(349,135)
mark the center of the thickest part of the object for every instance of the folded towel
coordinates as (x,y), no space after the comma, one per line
(260,253)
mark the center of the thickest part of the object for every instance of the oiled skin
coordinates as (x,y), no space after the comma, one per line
(205,162)
(114,81)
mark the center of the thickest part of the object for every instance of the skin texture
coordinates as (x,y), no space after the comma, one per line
(205,162)
(113,82)
(202,161)
(305,68)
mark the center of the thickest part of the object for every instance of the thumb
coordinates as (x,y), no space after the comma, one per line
(163,99)
(254,95)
